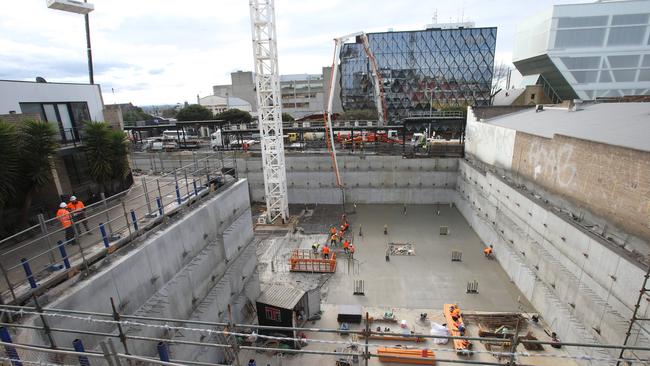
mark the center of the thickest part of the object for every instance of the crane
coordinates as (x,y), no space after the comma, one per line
(269,108)
(380,99)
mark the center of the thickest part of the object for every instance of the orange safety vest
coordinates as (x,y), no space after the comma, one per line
(332,230)
(64,217)
(72,206)
(341,233)
(326,250)
(346,244)
(334,237)
(487,250)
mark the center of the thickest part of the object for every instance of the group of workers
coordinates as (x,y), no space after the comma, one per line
(454,311)
(337,236)
(72,213)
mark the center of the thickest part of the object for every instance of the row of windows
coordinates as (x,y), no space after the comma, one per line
(602,20)
(595,37)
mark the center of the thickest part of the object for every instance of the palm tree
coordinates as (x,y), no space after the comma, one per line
(119,152)
(37,144)
(99,152)
(9,171)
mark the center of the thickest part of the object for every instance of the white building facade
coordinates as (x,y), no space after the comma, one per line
(587,51)
(66,105)
(217,104)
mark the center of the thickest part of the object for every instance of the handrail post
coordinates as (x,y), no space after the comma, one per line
(6,276)
(108,217)
(41,223)
(116,317)
(146,194)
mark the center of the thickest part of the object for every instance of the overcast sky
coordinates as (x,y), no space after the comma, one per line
(164,51)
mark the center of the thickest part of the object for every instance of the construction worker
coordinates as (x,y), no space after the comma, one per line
(341,233)
(460,326)
(352,251)
(455,312)
(345,226)
(332,230)
(488,251)
(334,239)
(314,248)
(326,252)
(63,215)
(346,246)
(76,207)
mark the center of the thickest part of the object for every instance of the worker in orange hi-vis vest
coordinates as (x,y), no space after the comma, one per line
(76,207)
(346,245)
(64,217)
(326,252)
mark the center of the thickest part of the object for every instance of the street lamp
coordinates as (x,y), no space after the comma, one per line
(78,7)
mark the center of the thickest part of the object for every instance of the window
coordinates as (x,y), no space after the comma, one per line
(573,63)
(624,36)
(644,75)
(577,22)
(619,62)
(592,37)
(68,116)
(585,76)
(624,75)
(630,19)
(532,96)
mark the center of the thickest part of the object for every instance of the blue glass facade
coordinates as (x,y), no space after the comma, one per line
(449,67)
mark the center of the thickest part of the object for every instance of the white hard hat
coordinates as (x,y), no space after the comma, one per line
(73,198)
(63,205)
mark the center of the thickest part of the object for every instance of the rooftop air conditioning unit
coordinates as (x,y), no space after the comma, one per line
(72,6)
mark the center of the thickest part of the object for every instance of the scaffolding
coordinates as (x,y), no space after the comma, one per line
(113,336)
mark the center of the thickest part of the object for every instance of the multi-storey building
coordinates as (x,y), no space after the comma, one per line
(587,51)
(440,66)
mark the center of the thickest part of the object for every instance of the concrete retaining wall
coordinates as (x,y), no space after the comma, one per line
(172,272)
(578,282)
(368,179)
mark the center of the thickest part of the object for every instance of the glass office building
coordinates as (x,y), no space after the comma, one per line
(436,67)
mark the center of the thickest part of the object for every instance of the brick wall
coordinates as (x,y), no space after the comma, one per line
(16,118)
(610,181)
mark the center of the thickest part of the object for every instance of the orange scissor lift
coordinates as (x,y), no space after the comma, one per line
(304,260)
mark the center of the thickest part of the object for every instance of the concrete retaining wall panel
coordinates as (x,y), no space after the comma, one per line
(238,234)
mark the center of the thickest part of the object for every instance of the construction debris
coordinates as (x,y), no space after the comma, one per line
(401,249)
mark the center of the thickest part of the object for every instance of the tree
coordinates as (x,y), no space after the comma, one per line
(169,113)
(235,116)
(37,144)
(135,114)
(194,112)
(99,152)
(9,168)
(286,117)
(119,146)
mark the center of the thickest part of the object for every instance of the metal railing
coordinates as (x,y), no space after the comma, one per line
(437,114)
(235,342)
(47,253)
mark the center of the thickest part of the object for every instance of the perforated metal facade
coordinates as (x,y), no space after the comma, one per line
(442,67)
(600,49)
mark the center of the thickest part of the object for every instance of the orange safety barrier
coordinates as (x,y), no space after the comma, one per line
(304,260)
(415,356)
(460,345)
